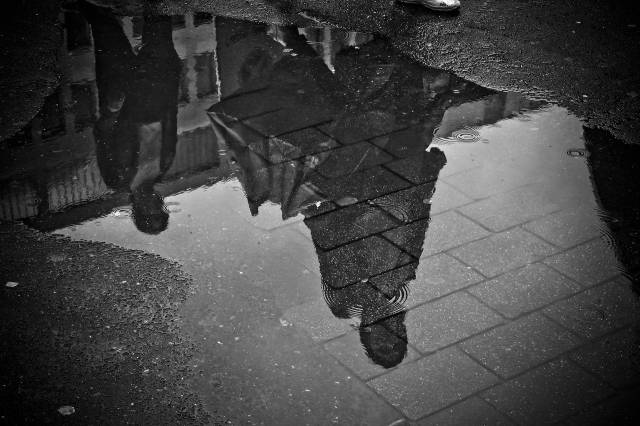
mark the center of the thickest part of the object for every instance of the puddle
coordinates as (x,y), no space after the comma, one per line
(343,210)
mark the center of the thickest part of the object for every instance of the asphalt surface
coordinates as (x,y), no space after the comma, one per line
(93,327)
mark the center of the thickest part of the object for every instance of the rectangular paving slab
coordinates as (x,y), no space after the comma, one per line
(433,383)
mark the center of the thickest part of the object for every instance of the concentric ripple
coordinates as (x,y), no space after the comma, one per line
(464,135)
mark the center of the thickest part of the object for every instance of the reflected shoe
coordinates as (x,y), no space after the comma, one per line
(437,5)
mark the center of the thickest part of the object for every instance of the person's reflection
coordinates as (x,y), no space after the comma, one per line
(136,133)
(350,200)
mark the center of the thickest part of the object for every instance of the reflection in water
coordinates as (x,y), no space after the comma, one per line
(136,133)
(615,174)
(331,124)
(318,138)
(321,190)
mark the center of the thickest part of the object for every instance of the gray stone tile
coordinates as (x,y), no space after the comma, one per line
(448,320)
(437,276)
(432,383)
(482,182)
(409,237)
(359,261)
(409,142)
(361,186)
(408,204)
(360,131)
(348,224)
(274,375)
(524,290)
(294,145)
(288,286)
(588,264)
(620,410)
(567,228)
(596,311)
(547,394)
(446,197)
(242,105)
(471,412)
(421,168)
(448,230)
(503,252)
(316,319)
(505,210)
(349,351)
(520,345)
(390,283)
(614,358)
(286,120)
(349,159)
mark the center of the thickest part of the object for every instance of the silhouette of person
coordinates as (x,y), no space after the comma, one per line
(136,133)
(351,195)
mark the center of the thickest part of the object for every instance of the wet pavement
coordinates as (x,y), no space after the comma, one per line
(370,241)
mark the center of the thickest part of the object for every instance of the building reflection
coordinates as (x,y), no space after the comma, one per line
(51,173)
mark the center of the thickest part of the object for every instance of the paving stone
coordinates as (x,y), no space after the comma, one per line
(316,319)
(293,146)
(524,290)
(359,261)
(432,383)
(437,276)
(289,286)
(596,311)
(409,204)
(446,230)
(357,132)
(520,345)
(348,224)
(286,120)
(248,104)
(505,210)
(349,350)
(547,394)
(392,282)
(567,228)
(619,410)
(448,320)
(503,252)
(446,197)
(614,358)
(404,143)
(350,159)
(421,168)
(482,182)
(471,412)
(361,186)
(409,237)
(588,264)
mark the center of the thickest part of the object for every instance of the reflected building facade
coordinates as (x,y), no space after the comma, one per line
(51,168)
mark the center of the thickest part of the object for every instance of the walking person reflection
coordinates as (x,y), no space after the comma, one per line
(366,189)
(136,133)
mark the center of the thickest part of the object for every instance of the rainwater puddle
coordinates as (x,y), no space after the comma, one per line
(360,228)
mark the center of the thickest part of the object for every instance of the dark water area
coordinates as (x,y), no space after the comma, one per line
(357,224)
